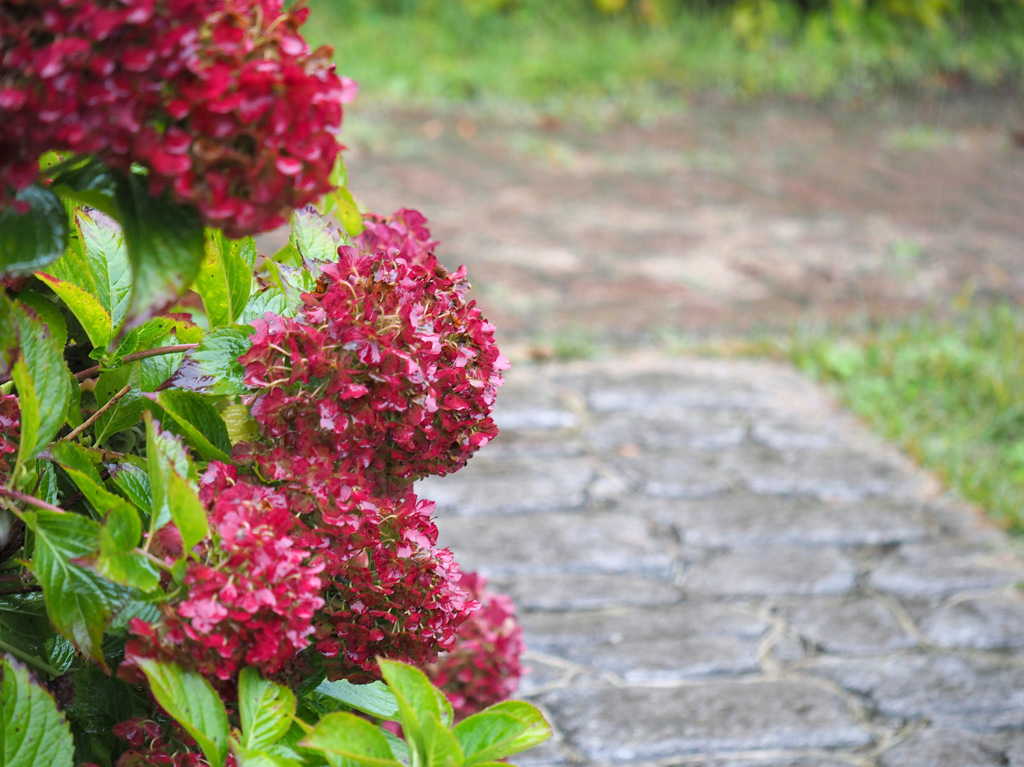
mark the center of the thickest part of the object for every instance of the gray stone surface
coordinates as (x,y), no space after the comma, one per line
(572,542)
(932,685)
(636,723)
(987,621)
(678,474)
(773,571)
(562,591)
(830,474)
(512,485)
(945,567)
(745,519)
(640,645)
(716,566)
(854,625)
(690,428)
(934,747)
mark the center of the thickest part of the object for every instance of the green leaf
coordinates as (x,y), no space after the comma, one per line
(90,183)
(119,536)
(50,381)
(315,237)
(347,740)
(25,629)
(105,253)
(417,698)
(73,411)
(292,281)
(213,368)
(269,300)
(48,489)
(442,749)
(48,313)
(125,412)
(97,703)
(174,498)
(255,758)
(32,731)
(157,332)
(225,277)
(28,401)
(347,211)
(79,601)
(133,481)
(266,709)
(500,731)
(198,421)
(165,243)
(71,455)
(8,334)
(374,699)
(193,703)
(35,238)
(85,306)
(339,173)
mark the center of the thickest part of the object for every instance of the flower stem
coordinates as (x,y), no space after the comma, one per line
(30,500)
(88,372)
(29,659)
(93,418)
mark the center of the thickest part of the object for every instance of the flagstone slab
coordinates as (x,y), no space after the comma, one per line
(847,625)
(745,519)
(571,542)
(773,571)
(630,724)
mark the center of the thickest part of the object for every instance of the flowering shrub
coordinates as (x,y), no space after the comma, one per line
(208,531)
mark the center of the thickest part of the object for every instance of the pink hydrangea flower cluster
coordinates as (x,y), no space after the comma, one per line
(404,232)
(222,100)
(391,592)
(483,667)
(386,369)
(153,743)
(252,591)
(386,374)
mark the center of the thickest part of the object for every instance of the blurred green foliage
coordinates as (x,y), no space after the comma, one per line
(643,56)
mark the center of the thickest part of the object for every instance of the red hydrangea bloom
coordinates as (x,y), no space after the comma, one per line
(391,591)
(403,233)
(386,368)
(156,743)
(251,599)
(222,100)
(483,667)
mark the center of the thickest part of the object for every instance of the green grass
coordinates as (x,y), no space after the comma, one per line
(573,64)
(949,391)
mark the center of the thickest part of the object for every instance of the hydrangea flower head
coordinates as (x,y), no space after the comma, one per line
(397,595)
(252,593)
(483,666)
(386,365)
(222,100)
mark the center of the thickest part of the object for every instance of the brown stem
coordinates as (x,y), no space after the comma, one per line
(31,500)
(23,590)
(93,418)
(89,372)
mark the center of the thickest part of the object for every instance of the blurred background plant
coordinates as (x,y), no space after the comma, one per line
(559,54)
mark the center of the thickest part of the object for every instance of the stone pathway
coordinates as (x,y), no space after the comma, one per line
(716,566)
